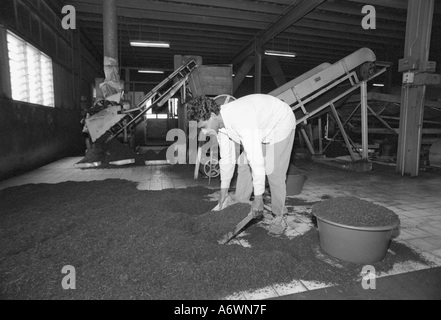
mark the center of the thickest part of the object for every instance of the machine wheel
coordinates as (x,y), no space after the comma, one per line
(224,99)
(214,166)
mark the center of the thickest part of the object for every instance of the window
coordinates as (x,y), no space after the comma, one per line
(31,73)
(172,111)
(150,114)
(173,108)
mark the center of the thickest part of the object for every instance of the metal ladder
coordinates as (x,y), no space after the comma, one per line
(158,96)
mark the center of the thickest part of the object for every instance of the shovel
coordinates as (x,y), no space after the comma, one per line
(230,235)
(252,215)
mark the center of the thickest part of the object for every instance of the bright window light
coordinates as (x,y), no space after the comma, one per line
(173,108)
(30,72)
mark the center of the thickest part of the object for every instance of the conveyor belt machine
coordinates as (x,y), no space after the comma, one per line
(323,86)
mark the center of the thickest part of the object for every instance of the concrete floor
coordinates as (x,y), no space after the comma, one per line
(415,285)
(417,201)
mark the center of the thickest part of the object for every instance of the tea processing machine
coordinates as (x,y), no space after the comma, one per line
(321,88)
(113,120)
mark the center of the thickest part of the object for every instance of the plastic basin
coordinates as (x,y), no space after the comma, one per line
(294,184)
(360,245)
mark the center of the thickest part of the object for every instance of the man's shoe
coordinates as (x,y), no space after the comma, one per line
(278,225)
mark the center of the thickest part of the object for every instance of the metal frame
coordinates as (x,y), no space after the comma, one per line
(308,115)
(170,85)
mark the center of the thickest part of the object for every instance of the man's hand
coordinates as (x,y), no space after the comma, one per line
(222,198)
(257,205)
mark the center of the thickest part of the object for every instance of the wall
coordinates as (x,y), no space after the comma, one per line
(34,135)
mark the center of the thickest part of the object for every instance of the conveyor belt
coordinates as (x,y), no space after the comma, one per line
(312,90)
(324,86)
(157,97)
(114,121)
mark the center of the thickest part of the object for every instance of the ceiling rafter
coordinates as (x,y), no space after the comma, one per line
(228,31)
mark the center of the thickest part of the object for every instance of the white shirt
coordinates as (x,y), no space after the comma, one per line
(252,120)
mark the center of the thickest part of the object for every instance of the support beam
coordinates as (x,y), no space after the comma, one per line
(364,122)
(258,70)
(307,141)
(5,78)
(243,72)
(276,71)
(398,4)
(110,25)
(320,135)
(343,132)
(295,13)
(110,28)
(416,56)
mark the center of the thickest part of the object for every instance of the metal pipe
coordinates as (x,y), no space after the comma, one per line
(364,121)
(320,134)
(258,70)
(110,29)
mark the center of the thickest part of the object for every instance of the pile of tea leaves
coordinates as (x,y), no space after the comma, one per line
(107,154)
(154,245)
(354,212)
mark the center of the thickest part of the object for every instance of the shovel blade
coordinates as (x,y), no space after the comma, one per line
(230,235)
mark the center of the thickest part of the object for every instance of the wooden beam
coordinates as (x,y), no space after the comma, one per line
(276,71)
(258,70)
(418,38)
(229,43)
(253,6)
(356,10)
(397,4)
(243,72)
(328,31)
(293,15)
(215,48)
(298,33)
(326,26)
(159,10)
(387,29)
